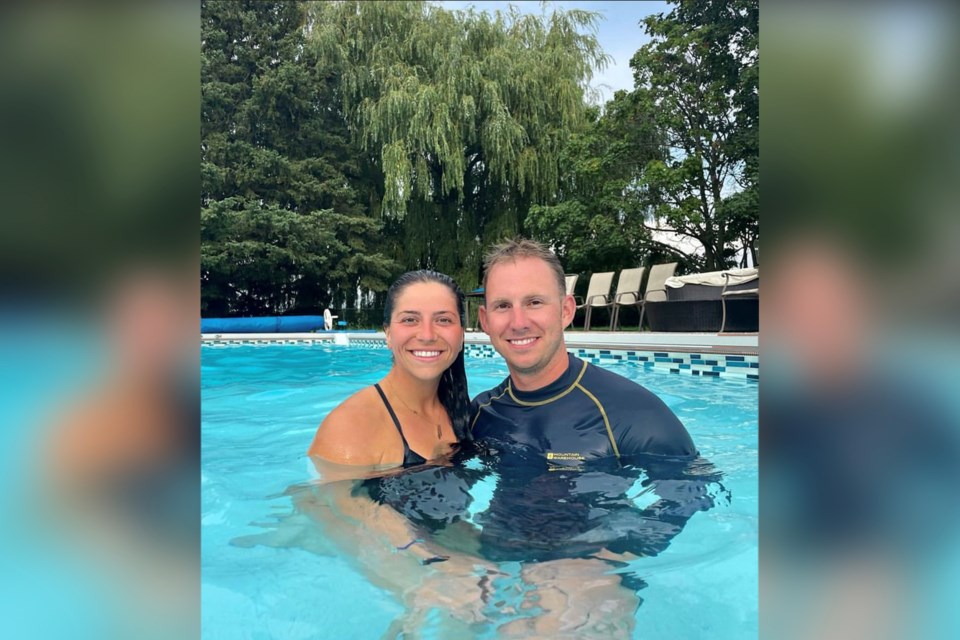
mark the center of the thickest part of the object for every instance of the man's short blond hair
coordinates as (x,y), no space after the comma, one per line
(511,250)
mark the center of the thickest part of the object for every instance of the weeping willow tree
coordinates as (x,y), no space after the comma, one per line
(461,116)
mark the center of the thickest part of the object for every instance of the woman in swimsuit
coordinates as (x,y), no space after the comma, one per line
(416,415)
(418,412)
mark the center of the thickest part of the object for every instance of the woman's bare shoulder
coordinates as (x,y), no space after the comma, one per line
(353,432)
(357,416)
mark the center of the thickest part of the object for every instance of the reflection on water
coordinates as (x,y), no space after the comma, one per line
(537,512)
(503,541)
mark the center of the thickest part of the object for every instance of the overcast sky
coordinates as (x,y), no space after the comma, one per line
(619,32)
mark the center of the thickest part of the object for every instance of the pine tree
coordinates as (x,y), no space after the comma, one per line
(283,227)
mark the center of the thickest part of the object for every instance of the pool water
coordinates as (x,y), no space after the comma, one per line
(261,407)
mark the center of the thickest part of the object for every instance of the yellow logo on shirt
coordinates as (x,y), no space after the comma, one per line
(551,455)
(564,461)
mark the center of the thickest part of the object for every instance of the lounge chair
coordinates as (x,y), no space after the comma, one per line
(571,281)
(656,287)
(628,293)
(598,295)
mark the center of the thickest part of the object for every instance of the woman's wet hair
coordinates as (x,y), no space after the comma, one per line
(453,383)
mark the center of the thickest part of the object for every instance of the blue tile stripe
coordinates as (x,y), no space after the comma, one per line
(740,367)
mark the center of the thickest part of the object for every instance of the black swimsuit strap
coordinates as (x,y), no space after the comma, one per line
(393,415)
(410,457)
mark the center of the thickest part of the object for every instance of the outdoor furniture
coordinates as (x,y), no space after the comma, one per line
(571,282)
(710,285)
(736,296)
(598,295)
(477,294)
(628,293)
(690,316)
(656,286)
(696,303)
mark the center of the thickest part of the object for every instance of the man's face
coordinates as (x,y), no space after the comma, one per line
(524,315)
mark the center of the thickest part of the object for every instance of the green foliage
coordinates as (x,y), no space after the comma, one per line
(680,152)
(282,225)
(343,143)
(462,116)
(597,222)
(699,80)
(262,261)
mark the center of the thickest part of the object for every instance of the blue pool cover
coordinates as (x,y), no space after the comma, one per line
(271,324)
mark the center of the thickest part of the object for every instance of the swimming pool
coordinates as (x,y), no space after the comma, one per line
(261,407)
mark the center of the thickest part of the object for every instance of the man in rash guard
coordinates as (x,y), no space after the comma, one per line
(553,403)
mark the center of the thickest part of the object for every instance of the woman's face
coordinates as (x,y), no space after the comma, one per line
(425,333)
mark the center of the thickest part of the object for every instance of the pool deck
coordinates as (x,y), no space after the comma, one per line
(719,343)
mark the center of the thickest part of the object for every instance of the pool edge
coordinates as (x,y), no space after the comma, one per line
(727,356)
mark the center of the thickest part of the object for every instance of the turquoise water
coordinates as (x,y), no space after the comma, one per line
(261,408)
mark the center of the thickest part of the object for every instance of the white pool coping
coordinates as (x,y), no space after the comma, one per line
(722,343)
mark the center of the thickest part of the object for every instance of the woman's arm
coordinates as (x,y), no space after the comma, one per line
(391,552)
(334,500)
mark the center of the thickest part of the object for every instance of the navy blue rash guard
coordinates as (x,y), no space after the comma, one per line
(566,463)
(567,456)
(589,413)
